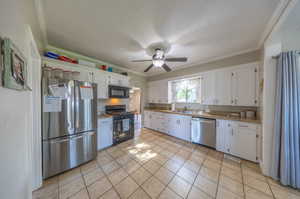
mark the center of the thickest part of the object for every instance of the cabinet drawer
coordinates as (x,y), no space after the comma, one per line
(247,125)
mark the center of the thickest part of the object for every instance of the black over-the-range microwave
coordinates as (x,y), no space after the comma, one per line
(118,91)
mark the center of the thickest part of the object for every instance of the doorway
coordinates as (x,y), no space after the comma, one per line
(135,106)
(135,100)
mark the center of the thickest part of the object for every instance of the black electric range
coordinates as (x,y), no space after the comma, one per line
(123,123)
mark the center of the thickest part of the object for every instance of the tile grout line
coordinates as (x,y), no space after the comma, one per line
(219,176)
(243,183)
(106,175)
(85,185)
(198,172)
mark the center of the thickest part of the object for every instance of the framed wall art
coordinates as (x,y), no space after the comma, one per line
(14,73)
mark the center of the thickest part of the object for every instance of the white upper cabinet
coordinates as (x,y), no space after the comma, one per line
(85,75)
(236,86)
(223,87)
(245,85)
(207,90)
(101,79)
(118,80)
(158,92)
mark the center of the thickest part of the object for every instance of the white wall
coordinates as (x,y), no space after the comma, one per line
(269,104)
(284,37)
(14,106)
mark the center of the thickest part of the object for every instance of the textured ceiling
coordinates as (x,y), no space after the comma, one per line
(118,31)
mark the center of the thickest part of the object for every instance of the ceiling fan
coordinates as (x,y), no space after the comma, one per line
(159,60)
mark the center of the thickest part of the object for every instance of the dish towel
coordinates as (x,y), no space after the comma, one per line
(125,124)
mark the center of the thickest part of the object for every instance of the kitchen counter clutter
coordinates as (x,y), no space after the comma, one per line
(235,136)
(222,116)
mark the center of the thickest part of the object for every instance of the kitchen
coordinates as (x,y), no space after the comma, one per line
(107,99)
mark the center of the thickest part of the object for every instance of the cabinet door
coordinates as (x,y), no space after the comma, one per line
(102,85)
(147,119)
(163,91)
(208,88)
(244,142)
(228,128)
(245,86)
(221,135)
(172,125)
(125,81)
(114,80)
(85,75)
(223,87)
(105,133)
(151,93)
(182,127)
(185,128)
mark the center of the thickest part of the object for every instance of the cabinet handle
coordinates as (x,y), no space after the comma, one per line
(232,132)
(232,101)
(243,126)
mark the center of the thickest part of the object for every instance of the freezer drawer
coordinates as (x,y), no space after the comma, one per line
(204,131)
(65,153)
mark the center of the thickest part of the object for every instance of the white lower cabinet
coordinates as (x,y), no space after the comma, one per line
(172,124)
(220,135)
(104,133)
(238,138)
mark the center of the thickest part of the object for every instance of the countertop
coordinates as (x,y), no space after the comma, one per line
(206,115)
(103,116)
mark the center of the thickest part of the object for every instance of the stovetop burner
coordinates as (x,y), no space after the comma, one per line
(118,113)
(116,110)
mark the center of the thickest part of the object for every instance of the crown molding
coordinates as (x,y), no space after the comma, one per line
(276,17)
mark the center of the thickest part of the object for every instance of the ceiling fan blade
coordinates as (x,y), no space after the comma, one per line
(166,67)
(148,68)
(142,60)
(177,59)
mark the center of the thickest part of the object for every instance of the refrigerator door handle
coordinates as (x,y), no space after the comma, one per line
(59,140)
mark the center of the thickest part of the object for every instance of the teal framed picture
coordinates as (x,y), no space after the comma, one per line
(14,68)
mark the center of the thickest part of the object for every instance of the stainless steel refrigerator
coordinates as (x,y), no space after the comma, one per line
(69,132)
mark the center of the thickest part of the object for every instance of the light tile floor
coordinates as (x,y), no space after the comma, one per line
(155,165)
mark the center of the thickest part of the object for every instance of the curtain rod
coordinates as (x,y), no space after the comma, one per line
(277,56)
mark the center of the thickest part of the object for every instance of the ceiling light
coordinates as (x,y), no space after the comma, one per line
(158,62)
(159,53)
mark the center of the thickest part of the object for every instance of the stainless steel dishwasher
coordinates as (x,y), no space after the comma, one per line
(204,131)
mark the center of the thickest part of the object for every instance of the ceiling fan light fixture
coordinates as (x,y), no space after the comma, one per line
(159,53)
(158,62)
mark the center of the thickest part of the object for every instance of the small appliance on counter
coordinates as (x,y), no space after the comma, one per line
(173,106)
(123,123)
(250,115)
